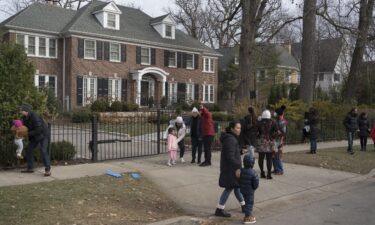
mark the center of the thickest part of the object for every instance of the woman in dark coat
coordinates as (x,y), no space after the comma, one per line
(364,130)
(313,121)
(230,165)
(249,129)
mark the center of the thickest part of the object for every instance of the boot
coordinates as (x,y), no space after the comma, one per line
(269,177)
(222,213)
(262,174)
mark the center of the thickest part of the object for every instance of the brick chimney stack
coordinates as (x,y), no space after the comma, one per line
(52,2)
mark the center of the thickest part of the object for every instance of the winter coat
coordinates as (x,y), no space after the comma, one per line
(196,127)
(249,180)
(19,132)
(312,122)
(181,132)
(172,143)
(230,160)
(363,126)
(207,123)
(351,122)
(248,132)
(372,134)
(38,129)
(265,142)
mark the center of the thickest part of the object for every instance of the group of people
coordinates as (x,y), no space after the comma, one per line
(202,134)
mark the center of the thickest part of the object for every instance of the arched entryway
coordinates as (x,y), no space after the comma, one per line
(149,82)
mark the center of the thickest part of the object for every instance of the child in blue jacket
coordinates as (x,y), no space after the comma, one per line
(249,182)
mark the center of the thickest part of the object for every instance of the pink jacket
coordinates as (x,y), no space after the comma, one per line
(172,142)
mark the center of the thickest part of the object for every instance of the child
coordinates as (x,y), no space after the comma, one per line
(372,134)
(172,146)
(249,182)
(20,132)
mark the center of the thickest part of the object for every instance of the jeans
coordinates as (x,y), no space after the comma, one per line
(313,145)
(350,141)
(249,204)
(277,163)
(225,195)
(181,145)
(363,140)
(207,142)
(44,152)
(196,145)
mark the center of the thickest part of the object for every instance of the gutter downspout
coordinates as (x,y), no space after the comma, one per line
(63,71)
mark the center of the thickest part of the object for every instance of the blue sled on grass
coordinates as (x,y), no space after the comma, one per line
(113,174)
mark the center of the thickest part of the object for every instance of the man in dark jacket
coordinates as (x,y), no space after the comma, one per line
(249,129)
(351,126)
(312,122)
(196,135)
(38,134)
(249,182)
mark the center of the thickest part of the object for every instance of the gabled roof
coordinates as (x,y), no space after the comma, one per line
(159,19)
(134,26)
(328,53)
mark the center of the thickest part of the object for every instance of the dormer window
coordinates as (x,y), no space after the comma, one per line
(111,20)
(165,26)
(168,31)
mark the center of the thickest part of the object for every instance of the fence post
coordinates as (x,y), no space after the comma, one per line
(49,140)
(158,129)
(94,138)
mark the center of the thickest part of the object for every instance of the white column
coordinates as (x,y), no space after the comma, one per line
(163,86)
(138,93)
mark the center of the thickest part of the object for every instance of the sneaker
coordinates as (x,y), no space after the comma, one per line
(221,213)
(249,219)
(173,162)
(47,173)
(19,156)
(169,164)
(182,160)
(205,164)
(192,161)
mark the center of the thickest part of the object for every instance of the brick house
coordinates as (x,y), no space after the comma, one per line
(108,50)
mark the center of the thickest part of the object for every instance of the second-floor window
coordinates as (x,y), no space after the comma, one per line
(31,46)
(52,47)
(189,61)
(145,56)
(90,49)
(111,20)
(168,30)
(115,52)
(42,46)
(208,65)
(38,46)
(172,59)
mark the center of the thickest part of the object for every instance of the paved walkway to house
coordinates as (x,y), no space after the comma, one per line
(196,189)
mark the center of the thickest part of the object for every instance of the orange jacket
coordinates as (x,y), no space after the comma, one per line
(20,132)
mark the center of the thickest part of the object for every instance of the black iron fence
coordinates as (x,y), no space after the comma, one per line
(133,136)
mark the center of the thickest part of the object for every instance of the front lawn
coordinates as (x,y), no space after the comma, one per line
(89,200)
(336,159)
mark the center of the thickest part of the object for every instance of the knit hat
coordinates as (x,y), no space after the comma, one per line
(195,110)
(25,107)
(266,114)
(179,120)
(17,123)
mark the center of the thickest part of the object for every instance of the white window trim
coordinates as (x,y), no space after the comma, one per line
(172,95)
(210,62)
(26,45)
(193,63)
(209,87)
(114,14)
(175,60)
(149,56)
(119,51)
(36,80)
(84,49)
(112,95)
(165,34)
(84,97)
(188,98)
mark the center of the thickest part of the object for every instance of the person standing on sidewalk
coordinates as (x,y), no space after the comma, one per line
(230,166)
(208,133)
(364,130)
(249,130)
(179,125)
(351,125)
(312,122)
(38,135)
(372,135)
(196,135)
(280,136)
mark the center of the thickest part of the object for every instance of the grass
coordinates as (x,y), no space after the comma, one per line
(336,159)
(89,200)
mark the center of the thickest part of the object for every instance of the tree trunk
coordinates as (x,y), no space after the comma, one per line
(306,92)
(252,12)
(352,83)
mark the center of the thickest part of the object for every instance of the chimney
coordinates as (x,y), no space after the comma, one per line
(52,2)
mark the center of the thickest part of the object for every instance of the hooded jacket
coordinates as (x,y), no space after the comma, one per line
(249,180)
(351,122)
(363,126)
(230,160)
(38,129)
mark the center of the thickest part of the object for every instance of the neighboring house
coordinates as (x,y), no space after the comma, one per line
(331,63)
(107,50)
(275,65)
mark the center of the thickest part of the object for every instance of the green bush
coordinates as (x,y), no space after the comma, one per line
(213,107)
(7,150)
(220,116)
(100,105)
(129,107)
(164,119)
(116,106)
(81,117)
(164,102)
(62,150)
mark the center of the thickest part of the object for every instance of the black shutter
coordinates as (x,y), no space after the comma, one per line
(196,61)
(166,89)
(181,92)
(179,59)
(106,51)
(100,87)
(81,48)
(124,90)
(79,91)
(196,92)
(105,87)
(123,53)
(138,55)
(166,58)
(99,50)
(184,56)
(153,56)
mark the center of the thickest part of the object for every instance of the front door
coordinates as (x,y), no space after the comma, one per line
(144,92)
